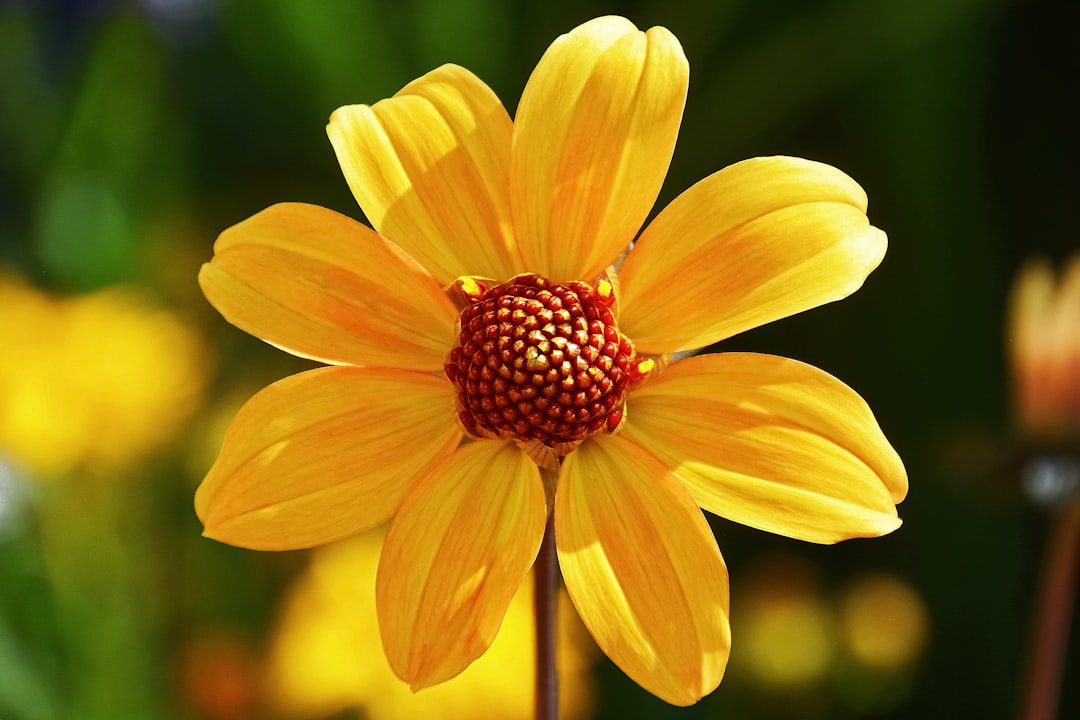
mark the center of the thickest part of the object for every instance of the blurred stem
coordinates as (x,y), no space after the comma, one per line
(1053,615)
(544,585)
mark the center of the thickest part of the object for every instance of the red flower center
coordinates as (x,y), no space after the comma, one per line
(539,360)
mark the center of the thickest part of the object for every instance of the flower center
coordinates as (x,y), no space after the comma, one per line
(539,360)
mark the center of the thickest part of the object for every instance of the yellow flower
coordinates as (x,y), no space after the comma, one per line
(325,656)
(96,380)
(781,605)
(885,622)
(487,307)
(1044,344)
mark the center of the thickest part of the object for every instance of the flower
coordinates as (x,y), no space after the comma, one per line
(97,381)
(1044,347)
(884,622)
(217,673)
(1043,335)
(325,656)
(781,604)
(490,365)
(860,643)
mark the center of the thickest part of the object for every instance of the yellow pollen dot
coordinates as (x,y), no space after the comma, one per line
(470,287)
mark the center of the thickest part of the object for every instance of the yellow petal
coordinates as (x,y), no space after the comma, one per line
(325,287)
(755,242)
(430,167)
(643,569)
(772,443)
(456,552)
(593,138)
(325,454)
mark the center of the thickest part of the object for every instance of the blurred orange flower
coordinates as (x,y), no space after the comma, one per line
(96,380)
(1044,346)
(326,656)
(218,675)
(487,306)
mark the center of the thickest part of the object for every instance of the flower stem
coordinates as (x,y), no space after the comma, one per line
(544,574)
(1054,615)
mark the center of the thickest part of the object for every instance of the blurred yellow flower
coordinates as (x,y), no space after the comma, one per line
(96,380)
(487,305)
(1043,336)
(885,622)
(787,629)
(326,656)
(809,650)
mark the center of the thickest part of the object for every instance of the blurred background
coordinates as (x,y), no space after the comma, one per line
(132,133)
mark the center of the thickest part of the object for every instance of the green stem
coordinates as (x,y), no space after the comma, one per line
(544,597)
(1054,615)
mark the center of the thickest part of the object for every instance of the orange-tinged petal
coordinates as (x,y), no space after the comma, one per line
(325,454)
(430,167)
(772,443)
(757,241)
(643,569)
(456,552)
(593,138)
(326,287)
